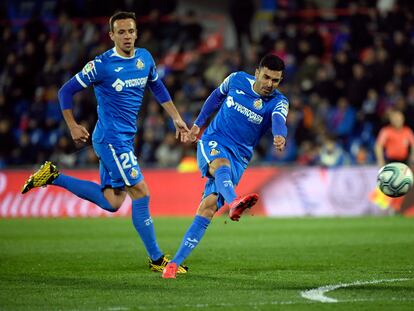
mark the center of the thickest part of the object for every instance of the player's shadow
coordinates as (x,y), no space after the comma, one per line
(154,282)
(104,283)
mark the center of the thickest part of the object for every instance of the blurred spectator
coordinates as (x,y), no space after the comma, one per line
(62,154)
(168,154)
(331,154)
(361,155)
(217,71)
(307,154)
(341,120)
(343,73)
(7,141)
(191,31)
(241,13)
(357,86)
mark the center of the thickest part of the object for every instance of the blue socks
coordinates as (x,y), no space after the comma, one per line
(143,224)
(140,213)
(191,238)
(224,185)
(84,189)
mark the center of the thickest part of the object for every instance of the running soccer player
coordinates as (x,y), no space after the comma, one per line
(247,107)
(119,77)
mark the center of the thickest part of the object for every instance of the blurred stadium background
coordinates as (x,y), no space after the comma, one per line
(348,63)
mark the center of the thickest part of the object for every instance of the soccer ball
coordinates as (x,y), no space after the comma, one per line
(395,179)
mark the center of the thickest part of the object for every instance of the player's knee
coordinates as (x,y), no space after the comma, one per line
(115,198)
(217,163)
(116,205)
(138,191)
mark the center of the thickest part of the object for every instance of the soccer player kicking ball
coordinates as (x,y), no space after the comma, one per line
(119,77)
(247,107)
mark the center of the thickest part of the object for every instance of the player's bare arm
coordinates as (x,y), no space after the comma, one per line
(78,132)
(181,129)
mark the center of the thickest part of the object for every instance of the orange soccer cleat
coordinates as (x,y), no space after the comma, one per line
(170,271)
(238,206)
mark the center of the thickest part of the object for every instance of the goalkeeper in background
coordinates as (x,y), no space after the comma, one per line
(247,107)
(119,77)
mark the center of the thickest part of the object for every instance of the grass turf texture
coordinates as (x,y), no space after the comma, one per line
(100,264)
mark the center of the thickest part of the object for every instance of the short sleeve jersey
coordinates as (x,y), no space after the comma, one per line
(119,83)
(245,116)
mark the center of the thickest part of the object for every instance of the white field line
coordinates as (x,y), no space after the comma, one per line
(223,304)
(256,305)
(312,296)
(318,294)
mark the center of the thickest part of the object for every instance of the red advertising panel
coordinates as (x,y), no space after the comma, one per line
(172,193)
(284,192)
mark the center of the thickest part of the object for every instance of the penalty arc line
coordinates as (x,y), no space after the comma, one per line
(318,294)
(315,295)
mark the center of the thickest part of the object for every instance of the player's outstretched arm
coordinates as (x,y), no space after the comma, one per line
(211,105)
(161,94)
(279,130)
(78,132)
(181,129)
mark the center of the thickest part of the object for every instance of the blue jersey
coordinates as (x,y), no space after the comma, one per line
(119,83)
(245,116)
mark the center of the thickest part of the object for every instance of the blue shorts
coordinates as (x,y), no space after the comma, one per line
(118,165)
(209,150)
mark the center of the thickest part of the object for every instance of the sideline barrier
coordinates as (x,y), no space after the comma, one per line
(291,191)
(172,194)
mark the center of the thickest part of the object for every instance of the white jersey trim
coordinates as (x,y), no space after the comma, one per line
(252,82)
(279,113)
(115,53)
(203,151)
(119,166)
(155,79)
(80,81)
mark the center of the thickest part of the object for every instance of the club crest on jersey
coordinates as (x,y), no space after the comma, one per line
(214,152)
(133,173)
(88,68)
(140,64)
(258,104)
(118,85)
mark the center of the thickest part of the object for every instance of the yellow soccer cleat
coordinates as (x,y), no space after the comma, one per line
(43,177)
(159,265)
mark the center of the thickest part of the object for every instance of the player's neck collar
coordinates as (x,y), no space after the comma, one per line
(115,53)
(252,81)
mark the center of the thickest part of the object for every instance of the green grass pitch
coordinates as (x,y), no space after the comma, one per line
(257,264)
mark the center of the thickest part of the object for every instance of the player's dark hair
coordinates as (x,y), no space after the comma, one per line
(272,62)
(121,15)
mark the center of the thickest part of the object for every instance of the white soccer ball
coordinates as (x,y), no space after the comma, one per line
(395,179)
